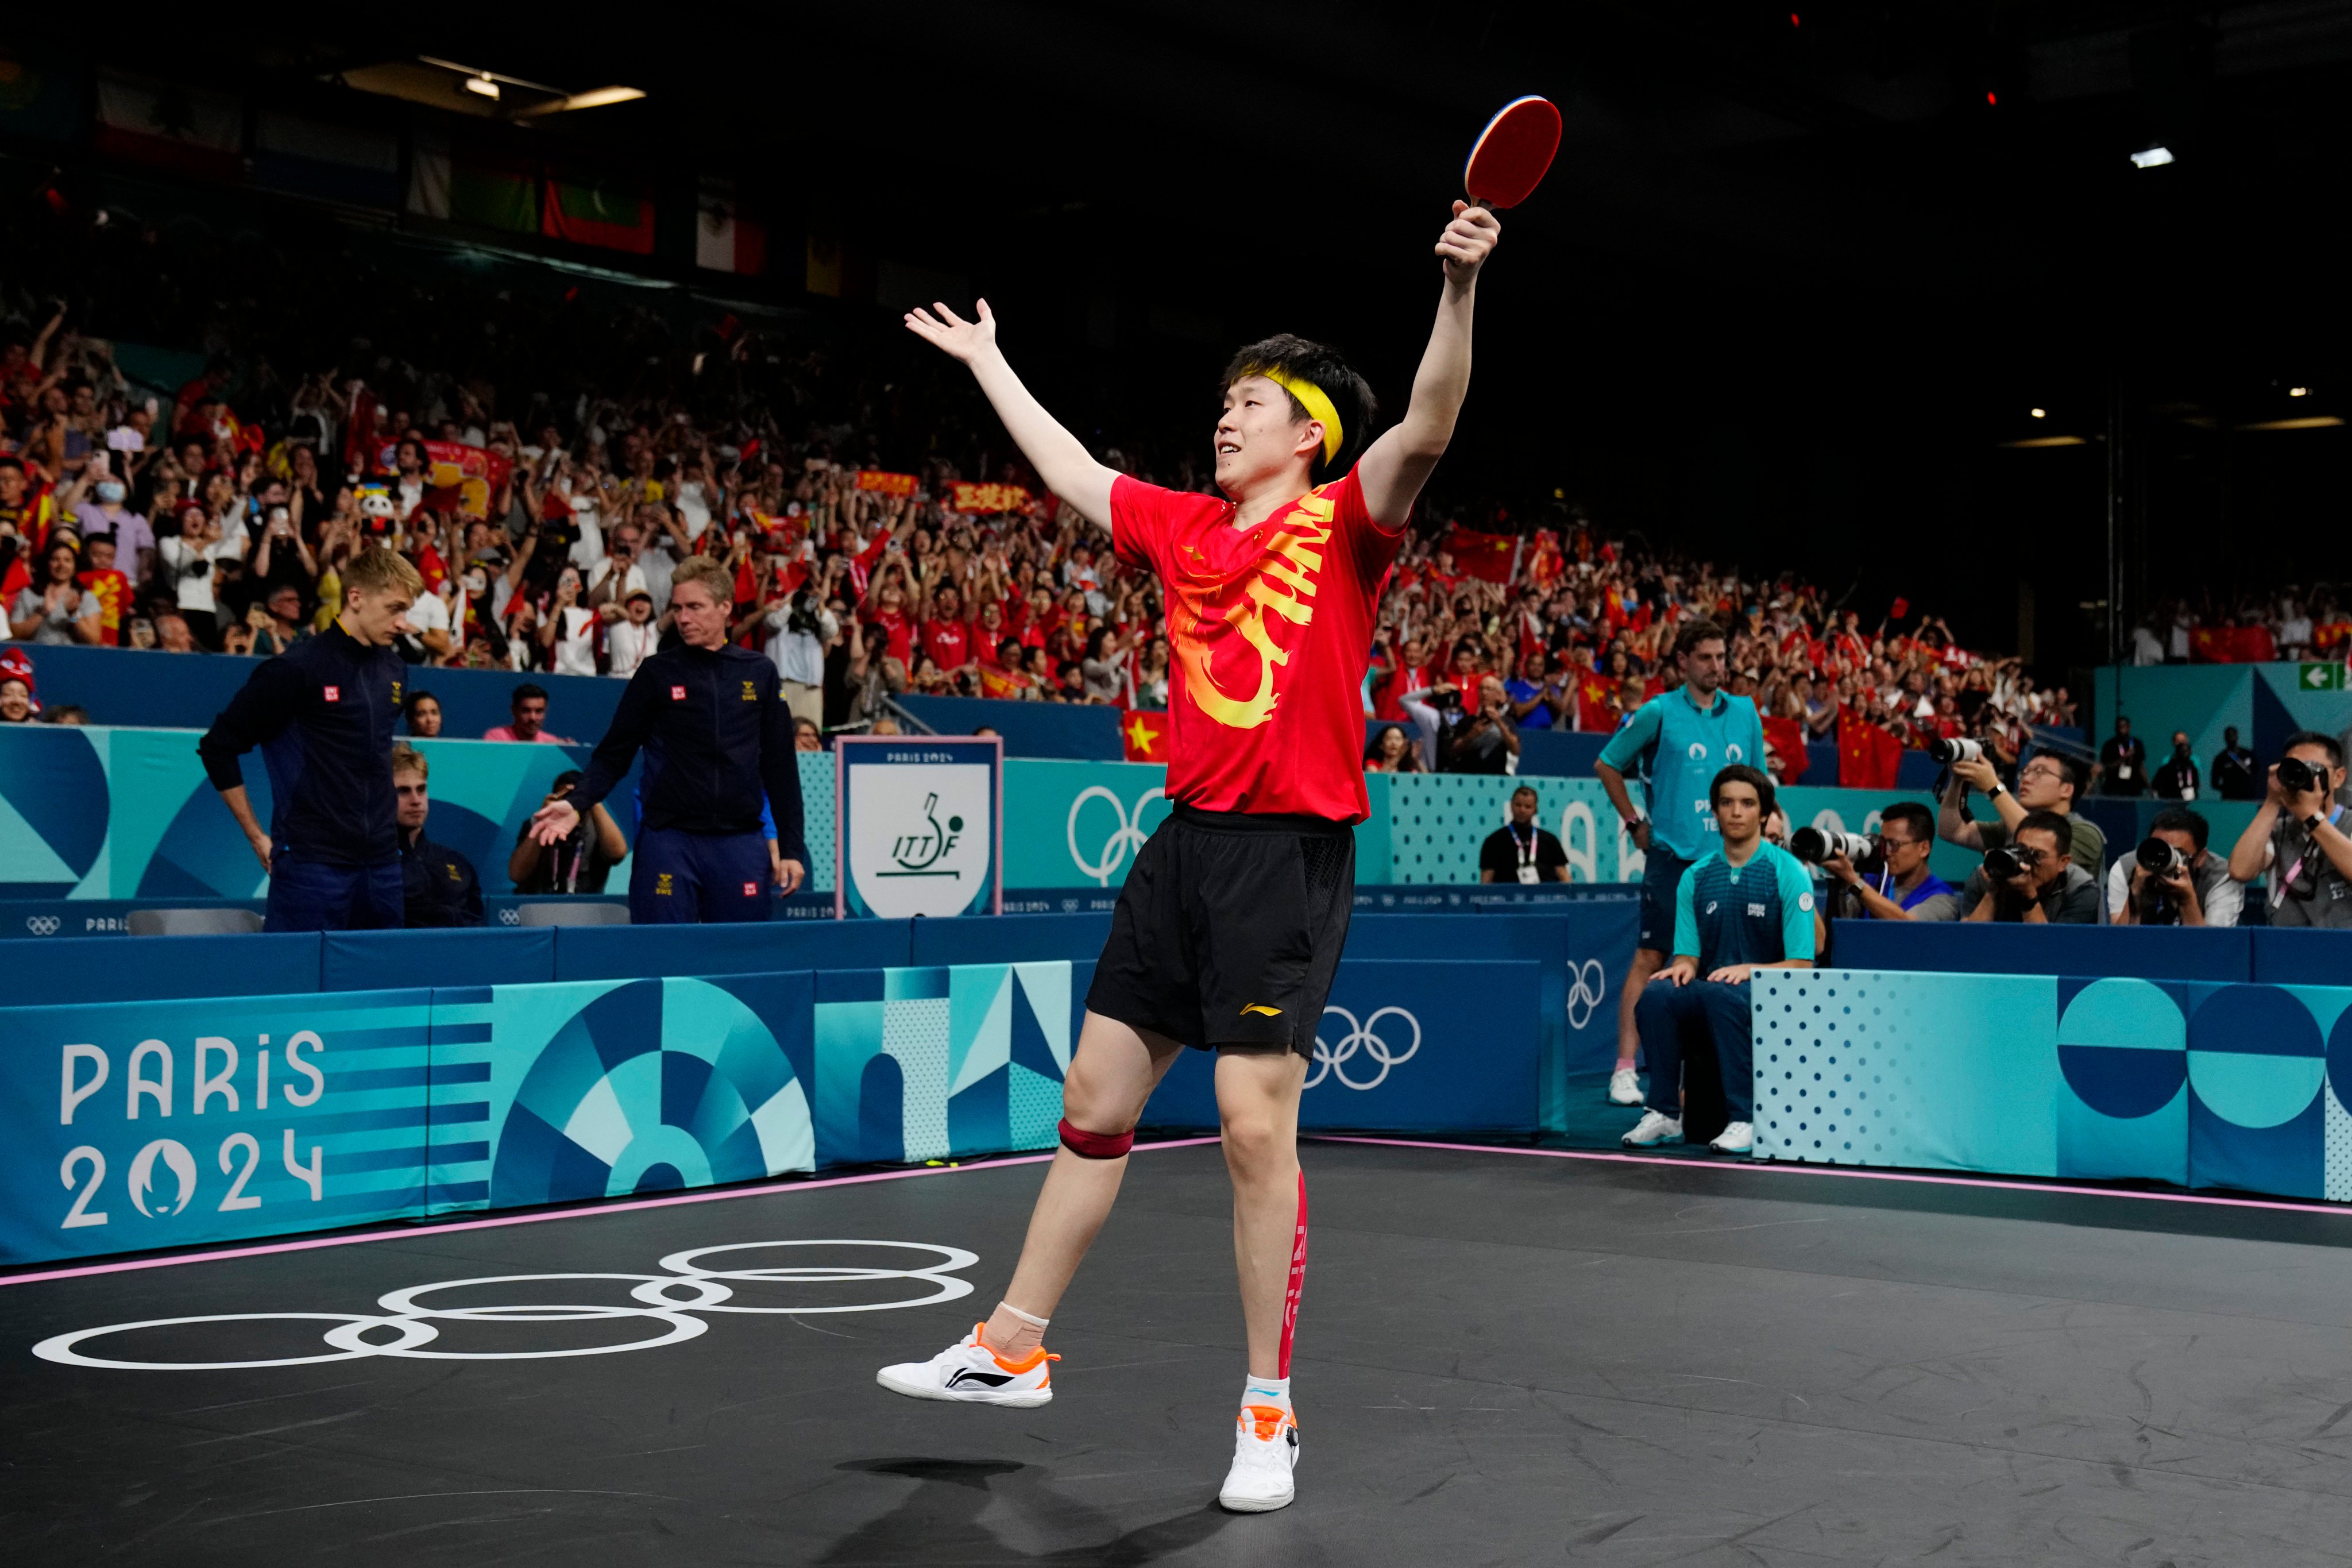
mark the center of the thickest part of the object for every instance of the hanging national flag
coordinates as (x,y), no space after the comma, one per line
(331,163)
(1146,737)
(1785,738)
(184,129)
(480,186)
(724,239)
(1868,756)
(1487,556)
(588,208)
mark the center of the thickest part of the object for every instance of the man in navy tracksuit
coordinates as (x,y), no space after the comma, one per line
(322,714)
(717,737)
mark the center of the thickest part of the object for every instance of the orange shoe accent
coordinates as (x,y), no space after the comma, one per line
(1266,1420)
(1026,1363)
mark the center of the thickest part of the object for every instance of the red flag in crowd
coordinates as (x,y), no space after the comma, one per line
(1146,736)
(1900,608)
(2232,644)
(1487,556)
(1868,756)
(1786,737)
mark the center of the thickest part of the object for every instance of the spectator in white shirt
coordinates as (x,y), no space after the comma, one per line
(630,634)
(613,579)
(569,633)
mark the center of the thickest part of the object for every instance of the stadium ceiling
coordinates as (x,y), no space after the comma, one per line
(1932,140)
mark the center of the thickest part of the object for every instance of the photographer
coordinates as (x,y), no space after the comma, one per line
(1900,888)
(2052,781)
(1484,741)
(2033,881)
(2297,836)
(800,629)
(2171,880)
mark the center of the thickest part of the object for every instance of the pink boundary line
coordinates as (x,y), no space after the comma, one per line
(420,1232)
(1799,1168)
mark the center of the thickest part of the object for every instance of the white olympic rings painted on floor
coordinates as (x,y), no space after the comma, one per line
(1360,1037)
(1584,992)
(414,1322)
(1129,835)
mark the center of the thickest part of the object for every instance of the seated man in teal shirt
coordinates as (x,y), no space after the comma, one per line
(1744,907)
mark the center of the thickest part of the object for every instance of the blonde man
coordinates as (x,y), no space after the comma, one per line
(323,714)
(717,739)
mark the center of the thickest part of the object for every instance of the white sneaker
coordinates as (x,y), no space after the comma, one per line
(1265,1451)
(969,1373)
(1739,1138)
(1624,1087)
(1652,1128)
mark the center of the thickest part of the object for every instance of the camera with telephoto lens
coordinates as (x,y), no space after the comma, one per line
(1445,701)
(800,617)
(1815,844)
(2002,865)
(2297,776)
(2159,906)
(1948,749)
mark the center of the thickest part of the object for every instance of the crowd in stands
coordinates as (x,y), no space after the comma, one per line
(546,497)
(2293,625)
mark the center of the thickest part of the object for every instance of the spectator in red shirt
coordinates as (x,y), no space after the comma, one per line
(947,635)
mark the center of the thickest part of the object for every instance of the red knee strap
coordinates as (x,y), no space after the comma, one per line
(1088,1145)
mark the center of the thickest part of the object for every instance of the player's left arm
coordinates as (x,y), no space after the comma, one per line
(1393,470)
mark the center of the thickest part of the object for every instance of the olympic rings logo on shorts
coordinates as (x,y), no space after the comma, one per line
(413,1322)
(1363,1039)
(1128,835)
(1585,982)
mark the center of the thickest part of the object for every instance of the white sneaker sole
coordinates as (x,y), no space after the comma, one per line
(1027,1399)
(1232,1504)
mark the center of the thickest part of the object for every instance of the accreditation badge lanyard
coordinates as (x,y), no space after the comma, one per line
(1527,847)
(2310,850)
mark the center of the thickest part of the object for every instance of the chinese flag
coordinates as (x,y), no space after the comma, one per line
(1487,556)
(1787,738)
(1868,757)
(1146,735)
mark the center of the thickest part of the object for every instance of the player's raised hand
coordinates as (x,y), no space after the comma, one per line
(951,333)
(1464,247)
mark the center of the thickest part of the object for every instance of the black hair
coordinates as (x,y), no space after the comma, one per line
(2180,819)
(525,692)
(1525,789)
(1379,738)
(1693,633)
(1922,820)
(2313,737)
(2059,828)
(1350,394)
(2071,768)
(1755,778)
(567,778)
(408,709)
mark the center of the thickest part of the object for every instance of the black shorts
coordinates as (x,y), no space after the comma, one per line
(1229,930)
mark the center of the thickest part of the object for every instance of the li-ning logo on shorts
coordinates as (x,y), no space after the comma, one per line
(1126,834)
(1366,1040)
(661,884)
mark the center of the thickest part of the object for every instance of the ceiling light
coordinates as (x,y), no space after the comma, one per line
(2048,441)
(483,85)
(2041,412)
(2298,391)
(2316,422)
(2152,158)
(594,97)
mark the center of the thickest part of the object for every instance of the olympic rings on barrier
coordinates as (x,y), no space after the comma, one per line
(414,1322)
(1360,1037)
(1584,992)
(1128,835)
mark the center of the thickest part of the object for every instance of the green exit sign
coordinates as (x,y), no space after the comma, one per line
(2322,678)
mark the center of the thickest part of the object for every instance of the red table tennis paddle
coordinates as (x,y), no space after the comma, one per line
(1511,156)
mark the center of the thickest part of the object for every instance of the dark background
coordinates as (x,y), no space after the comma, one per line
(1795,280)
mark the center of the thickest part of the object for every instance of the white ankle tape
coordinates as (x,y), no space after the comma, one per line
(1033,1322)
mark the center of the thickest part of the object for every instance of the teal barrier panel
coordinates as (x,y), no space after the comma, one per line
(2264,702)
(599,1088)
(1082,732)
(149,1124)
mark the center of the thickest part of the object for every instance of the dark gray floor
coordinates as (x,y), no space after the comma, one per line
(1502,1358)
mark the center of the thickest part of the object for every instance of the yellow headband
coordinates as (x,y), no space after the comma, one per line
(1312,398)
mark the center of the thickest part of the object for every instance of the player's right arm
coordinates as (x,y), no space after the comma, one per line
(1624,751)
(259,711)
(1069,470)
(631,726)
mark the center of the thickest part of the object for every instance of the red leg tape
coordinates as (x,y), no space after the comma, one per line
(1088,1145)
(1298,1281)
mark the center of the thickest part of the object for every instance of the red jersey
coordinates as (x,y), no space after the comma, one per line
(901,631)
(948,641)
(1272,628)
